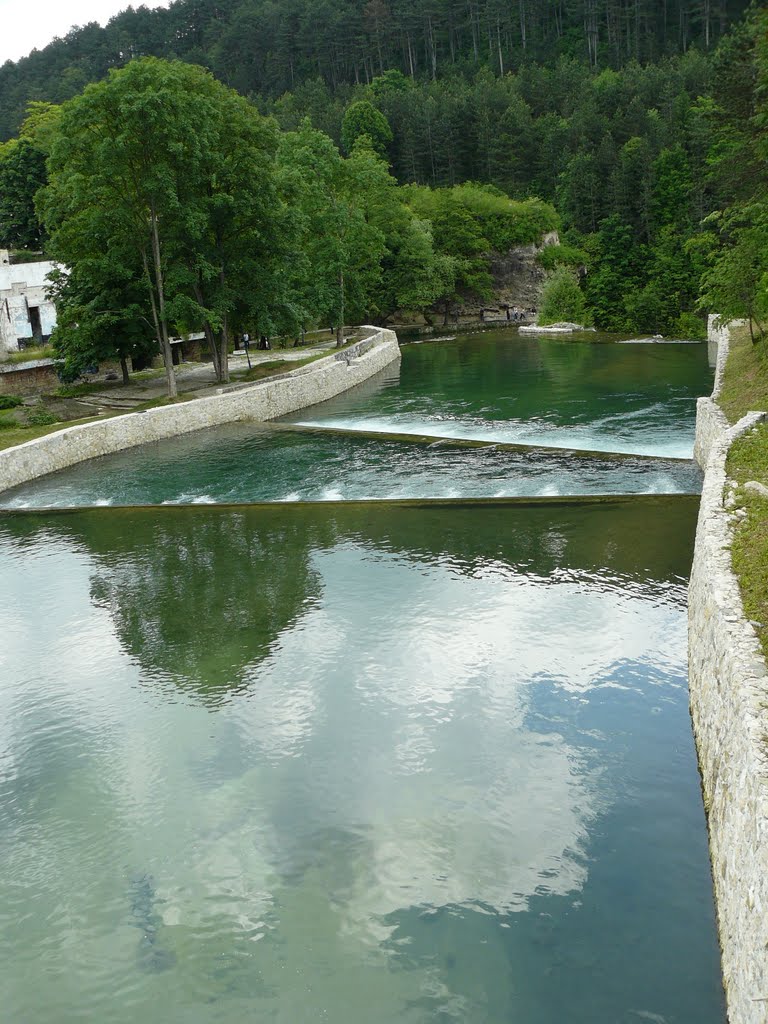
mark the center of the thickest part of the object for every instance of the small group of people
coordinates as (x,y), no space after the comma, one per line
(516,315)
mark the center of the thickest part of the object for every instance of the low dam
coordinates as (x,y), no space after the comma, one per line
(377,712)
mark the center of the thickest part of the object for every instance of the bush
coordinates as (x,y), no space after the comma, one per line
(40,417)
(553,256)
(10,401)
(562,299)
(690,327)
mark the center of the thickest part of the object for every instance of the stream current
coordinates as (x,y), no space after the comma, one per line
(270,751)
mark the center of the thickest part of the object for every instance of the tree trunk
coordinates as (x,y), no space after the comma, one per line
(223,338)
(340,325)
(523,33)
(165,342)
(153,305)
(124,369)
(224,354)
(214,348)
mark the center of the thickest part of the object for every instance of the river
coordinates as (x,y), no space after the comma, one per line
(272,752)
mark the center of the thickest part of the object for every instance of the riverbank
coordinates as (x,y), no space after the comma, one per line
(264,400)
(729,706)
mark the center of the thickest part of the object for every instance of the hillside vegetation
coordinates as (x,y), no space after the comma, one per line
(642,125)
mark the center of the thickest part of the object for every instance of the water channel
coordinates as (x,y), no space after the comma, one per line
(272,752)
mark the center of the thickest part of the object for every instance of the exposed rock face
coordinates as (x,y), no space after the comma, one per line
(518,278)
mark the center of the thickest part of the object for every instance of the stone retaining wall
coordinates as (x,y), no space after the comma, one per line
(729,706)
(263,401)
(27,378)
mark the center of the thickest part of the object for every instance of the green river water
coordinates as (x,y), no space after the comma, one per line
(366,761)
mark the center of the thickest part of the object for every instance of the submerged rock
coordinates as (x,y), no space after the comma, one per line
(143,900)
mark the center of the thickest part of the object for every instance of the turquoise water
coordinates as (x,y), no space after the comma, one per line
(347,764)
(497,386)
(255,462)
(353,761)
(403,434)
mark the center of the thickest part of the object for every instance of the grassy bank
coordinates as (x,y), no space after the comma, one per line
(745,388)
(745,385)
(10,436)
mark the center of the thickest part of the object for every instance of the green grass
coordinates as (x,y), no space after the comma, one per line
(10,436)
(30,355)
(274,366)
(745,386)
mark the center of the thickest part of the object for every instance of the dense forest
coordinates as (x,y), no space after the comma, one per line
(269,47)
(643,124)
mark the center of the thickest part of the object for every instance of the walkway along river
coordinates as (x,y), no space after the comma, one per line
(271,751)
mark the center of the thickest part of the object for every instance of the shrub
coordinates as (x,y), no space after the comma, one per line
(10,401)
(562,299)
(552,256)
(40,417)
(689,326)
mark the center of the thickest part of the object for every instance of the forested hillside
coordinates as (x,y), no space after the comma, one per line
(642,124)
(267,47)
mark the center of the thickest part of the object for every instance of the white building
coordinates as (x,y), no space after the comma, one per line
(27,317)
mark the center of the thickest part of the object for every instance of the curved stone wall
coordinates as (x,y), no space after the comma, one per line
(729,706)
(263,401)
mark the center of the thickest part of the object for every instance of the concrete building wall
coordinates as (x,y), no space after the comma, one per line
(26,314)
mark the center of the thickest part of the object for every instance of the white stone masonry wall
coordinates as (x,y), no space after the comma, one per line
(729,706)
(265,401)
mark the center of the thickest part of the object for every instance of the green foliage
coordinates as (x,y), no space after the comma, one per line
(563,255)
(22,174)
(162,202)
(563,300)
(735,281)
(635,130)
(10,401)
(40,417)
(690,326)
(736,285)
(362,119)
(262,47)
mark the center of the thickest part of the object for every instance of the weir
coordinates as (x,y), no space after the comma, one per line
(396,724)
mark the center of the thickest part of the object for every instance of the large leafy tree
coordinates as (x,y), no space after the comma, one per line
(100,316)
(151,167)
(341,250)
(736,281)
(363,119)
(22,175)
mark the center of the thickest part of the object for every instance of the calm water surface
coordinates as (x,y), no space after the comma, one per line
(352,764)
(369,762)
